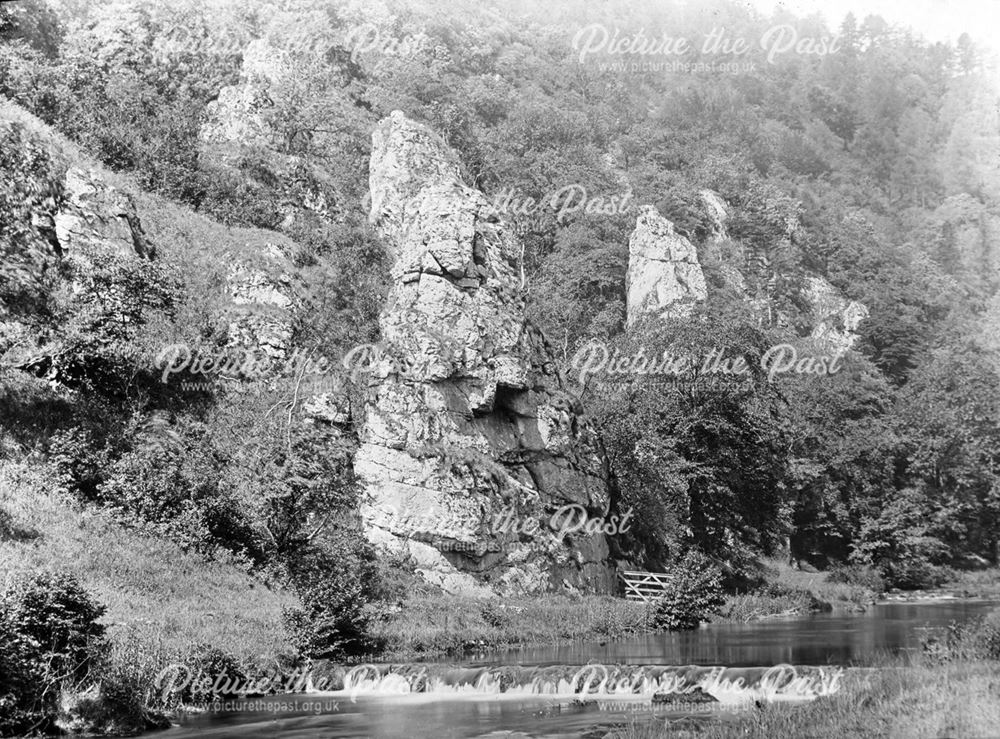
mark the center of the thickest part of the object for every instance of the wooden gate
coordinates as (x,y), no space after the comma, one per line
(646,586)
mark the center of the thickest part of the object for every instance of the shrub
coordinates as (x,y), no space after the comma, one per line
(216,675)
(6,524)
(773,599)
(914,575)
(857,574)
(80,458)
(169,483)
(495,614)
(127,695)
(978,639)
(695,595)
(49,637)
(337,587)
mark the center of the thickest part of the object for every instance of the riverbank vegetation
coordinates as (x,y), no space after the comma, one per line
(789,590)
(949,690)
(156,604)
(439,625)
(894,701)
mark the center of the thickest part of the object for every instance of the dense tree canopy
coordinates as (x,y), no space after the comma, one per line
(875,167)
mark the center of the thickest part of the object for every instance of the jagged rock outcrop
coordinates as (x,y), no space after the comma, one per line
(469,442)
(238,114)
(242,117)
(84,224)
(262,306)
(266,296)
(718,213)
(664,276)
(835,319)
(95,217)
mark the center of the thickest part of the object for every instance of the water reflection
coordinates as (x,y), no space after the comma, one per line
(414,716)
(816,640)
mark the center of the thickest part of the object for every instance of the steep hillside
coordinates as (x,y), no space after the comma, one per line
(161,601)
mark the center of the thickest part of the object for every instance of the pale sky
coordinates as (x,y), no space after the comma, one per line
(937,20)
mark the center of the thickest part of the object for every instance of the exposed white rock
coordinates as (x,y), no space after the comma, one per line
(86,226)
(470,420)
(664,276)
(835,319)
(237,115)
(94,217)
(260,318)
(718,211)
(331,408)
(240,117)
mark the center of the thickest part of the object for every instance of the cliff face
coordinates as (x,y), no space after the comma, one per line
(469,442)
(835,319)
(94,217)
(263,303)
(664,277)
(78,229)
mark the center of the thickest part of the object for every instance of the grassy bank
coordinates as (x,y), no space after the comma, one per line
(950,689)
(161,602)
(893,701)
(435,625)
(971,584)
(791,592)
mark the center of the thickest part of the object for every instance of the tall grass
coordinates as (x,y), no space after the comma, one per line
(896,700)
(790,591)
(160,600)
(435,625)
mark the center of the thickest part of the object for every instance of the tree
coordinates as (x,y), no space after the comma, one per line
(700,457)
(844,450)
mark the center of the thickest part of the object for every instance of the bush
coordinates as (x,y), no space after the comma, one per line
(773,599)
(696,594)
(910,575)
(6,524)
(974,640)
(80,457)
(49,638)
(494,613)
(857,574)
(337,588)
(216,675)
(169,483)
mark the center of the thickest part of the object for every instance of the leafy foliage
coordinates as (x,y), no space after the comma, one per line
(695,594)
(49,637)
(337,585)
(699,456)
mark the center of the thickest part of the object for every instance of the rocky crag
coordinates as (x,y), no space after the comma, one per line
(834,318)
(666,279)
(469,444)
(664,276)
(80,226)
(240,120)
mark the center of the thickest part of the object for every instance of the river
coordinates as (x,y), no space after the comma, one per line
(531,692)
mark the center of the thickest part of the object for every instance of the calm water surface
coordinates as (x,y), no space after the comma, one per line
(824,639)
(815,640)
